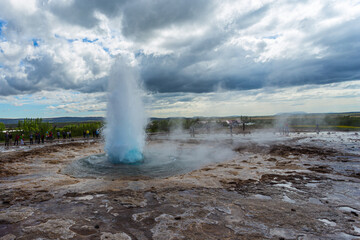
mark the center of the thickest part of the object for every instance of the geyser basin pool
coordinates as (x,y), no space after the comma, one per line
(160,160)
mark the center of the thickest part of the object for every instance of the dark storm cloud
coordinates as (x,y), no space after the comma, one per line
(341,62)
(5,89)
(43,73)
(47,74)
(337,68)
(82,12)
(140,18)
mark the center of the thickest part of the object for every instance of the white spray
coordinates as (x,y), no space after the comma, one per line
(125,119)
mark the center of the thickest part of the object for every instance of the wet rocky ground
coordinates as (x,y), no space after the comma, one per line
(302,186)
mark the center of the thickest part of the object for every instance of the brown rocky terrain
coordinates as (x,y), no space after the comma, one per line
(296,187)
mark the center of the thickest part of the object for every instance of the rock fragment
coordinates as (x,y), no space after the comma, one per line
(53,229)
(8,237)
(15,214)
(115,236)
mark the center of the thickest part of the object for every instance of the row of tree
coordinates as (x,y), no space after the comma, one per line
(2,127)
(31,126)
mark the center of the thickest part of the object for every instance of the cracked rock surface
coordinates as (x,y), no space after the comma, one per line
(302,186)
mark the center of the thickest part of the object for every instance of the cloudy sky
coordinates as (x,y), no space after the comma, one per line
(195,57)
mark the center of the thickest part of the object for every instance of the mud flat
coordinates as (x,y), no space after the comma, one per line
(302,186)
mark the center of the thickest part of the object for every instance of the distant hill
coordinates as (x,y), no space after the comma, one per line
(11,121)
(7,121)
(291,113)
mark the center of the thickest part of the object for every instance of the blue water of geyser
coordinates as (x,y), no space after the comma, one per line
(125,117)
(155,163)
(134,156)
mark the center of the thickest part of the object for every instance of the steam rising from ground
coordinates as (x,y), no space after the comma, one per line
(168,155)
(125,119)
(161,159)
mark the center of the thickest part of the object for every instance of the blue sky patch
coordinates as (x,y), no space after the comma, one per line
(2,24)
(33,110)
(21,63)
(69,40)
(35,42)
(272,37)
(88,40)
(139,53)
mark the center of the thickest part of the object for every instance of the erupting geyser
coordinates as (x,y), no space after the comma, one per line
(125,119)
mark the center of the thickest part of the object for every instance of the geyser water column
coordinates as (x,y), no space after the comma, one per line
(125,118)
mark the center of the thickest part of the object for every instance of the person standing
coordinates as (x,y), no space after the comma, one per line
(37,138)
(58,135)
(7,139)
(42,138)
(22,139)
(10,138)
(31,139)
(16,142)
